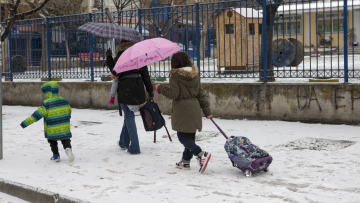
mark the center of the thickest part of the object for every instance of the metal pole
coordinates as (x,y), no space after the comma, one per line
(48,47)
(264,37)
(10,56)
(346,41)
(197,36)
(91,51)
(1,67)
(139,21)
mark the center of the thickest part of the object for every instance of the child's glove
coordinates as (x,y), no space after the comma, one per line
(23,125)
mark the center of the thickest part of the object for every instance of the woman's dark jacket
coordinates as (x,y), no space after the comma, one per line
(131,90)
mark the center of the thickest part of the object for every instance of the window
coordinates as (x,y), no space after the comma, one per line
(251,29)
(287,25)
(331,22)
(260,29)
(229,28)
(229,14)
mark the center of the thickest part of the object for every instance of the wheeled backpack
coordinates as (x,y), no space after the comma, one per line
(244,155)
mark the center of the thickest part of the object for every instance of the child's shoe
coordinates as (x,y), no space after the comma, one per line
(203,160)
(183,164)
(70,154)
(112,99)
(55,157)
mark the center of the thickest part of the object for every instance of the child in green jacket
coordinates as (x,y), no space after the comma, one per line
(188,106)
(56,112)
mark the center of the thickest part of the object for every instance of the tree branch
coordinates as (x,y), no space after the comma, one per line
(34,10)
(14,16)
(16,6)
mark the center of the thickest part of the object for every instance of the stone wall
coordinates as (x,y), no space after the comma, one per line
(311,102)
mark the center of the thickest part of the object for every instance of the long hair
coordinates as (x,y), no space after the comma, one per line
(180,60)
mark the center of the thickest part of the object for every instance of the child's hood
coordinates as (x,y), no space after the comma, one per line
(187,75)
(50,89)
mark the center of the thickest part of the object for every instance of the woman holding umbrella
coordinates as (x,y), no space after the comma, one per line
(131,95)
(132,63)
(131,83)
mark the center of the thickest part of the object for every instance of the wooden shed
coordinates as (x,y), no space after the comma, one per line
(238,39)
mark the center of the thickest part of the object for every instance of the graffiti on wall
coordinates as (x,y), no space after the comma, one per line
(307,98)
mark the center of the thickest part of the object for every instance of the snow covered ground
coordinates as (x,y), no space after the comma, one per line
(312,162)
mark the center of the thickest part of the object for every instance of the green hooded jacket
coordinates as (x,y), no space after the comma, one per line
(189,99)
(56,112)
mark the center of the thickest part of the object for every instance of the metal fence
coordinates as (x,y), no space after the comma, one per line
(237,39)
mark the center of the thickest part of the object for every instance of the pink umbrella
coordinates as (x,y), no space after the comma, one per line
(144,53)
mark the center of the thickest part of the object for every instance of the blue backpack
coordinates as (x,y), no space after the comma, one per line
(152,118)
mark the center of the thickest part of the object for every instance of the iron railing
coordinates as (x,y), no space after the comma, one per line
(236,39)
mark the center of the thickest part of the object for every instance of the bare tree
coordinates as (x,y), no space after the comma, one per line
(141,3)
(163,24)
(14,15)
(58,8)
(270,15)
(122,4)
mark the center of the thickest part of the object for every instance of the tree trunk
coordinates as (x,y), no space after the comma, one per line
(5,56)
(203,40)
(270,19)
(63,34)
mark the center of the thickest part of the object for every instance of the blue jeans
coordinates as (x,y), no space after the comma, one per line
(188,140)
(129,137)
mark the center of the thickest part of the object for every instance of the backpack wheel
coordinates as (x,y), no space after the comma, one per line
(248,173)
(266,169)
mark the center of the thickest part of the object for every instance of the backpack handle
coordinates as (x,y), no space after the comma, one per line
(219,128)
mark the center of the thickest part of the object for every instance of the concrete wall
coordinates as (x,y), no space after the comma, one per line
(80,95)
(324,103)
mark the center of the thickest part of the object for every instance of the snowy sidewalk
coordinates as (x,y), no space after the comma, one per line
(102,172)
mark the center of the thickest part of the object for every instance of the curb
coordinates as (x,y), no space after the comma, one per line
(33,194)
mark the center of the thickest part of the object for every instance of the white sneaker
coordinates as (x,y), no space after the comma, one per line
(203,161)
(70,154)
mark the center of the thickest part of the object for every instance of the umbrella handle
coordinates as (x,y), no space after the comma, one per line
(219,128)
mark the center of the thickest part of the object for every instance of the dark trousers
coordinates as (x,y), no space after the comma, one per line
(188,140)
(54,145)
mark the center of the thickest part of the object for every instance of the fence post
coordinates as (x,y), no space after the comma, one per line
(139,21)
(197,36)
(264,40)
(91,51)
(185,41)
(168,9)
(10,57)
(48,46)
(1,71)
(346,64)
